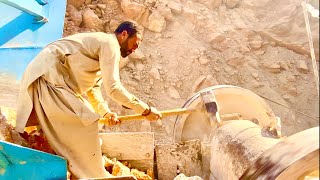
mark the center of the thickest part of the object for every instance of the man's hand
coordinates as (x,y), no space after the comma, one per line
(112,119)
(152,114)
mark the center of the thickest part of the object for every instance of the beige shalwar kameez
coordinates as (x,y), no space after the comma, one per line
(51,91)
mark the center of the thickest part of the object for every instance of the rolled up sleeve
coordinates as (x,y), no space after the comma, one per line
(109,58)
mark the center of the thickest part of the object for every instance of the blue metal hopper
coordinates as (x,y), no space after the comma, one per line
(17,162)
(26,26)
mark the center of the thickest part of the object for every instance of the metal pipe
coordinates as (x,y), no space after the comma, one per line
(313,57)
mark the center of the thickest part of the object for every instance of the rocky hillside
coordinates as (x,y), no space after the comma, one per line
(189,45)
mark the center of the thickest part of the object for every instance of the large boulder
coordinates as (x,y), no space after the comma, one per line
(175,7)
(156,22)
(74,15)
(144,20)
(166,13)
(91,20)
(132,10)
(76,3)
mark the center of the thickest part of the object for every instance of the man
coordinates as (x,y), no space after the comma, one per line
(53,85)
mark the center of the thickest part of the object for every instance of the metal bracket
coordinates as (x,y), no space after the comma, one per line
(32,7)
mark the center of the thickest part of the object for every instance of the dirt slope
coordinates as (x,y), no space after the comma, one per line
(189,45)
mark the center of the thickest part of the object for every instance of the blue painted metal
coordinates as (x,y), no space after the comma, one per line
(17,162)
(42,2)
(31,7)
(21,39)
(13,61)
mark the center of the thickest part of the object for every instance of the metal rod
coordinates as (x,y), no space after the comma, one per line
(301,113)
(314,63)
(313,11)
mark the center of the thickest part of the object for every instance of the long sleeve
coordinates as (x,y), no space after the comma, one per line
(109,59)
(97,101)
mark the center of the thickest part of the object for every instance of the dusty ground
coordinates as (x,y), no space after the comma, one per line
(9,90)
(189,45)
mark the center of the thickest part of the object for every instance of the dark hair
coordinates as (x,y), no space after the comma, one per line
(131,27)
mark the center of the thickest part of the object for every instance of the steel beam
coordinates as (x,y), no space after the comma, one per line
(31,7)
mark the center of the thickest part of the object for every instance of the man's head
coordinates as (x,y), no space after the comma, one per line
(129,35)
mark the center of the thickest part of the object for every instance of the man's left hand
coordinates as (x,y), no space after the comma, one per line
(153,114)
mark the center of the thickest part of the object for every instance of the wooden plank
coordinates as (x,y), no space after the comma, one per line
(128,146)
(142,165)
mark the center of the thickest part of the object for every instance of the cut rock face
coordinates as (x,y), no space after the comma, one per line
(173,159)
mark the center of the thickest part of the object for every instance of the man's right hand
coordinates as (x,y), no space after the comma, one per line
(153,114)
(112,118)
